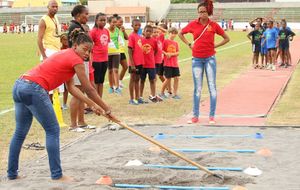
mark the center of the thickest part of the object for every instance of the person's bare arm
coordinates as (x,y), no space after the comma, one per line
(90,91)
(225,40)
(124,32)
(130,55)
(79,95)
(41,32)
(249,37)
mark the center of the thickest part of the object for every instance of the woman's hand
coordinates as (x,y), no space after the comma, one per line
(97,110)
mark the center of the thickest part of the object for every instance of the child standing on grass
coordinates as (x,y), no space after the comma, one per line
(64,45)
(283,40)
(255,37)
(171,68)
(136,61)
(113,56)
(100,37)
(270,39)
(159,37)
(149,50)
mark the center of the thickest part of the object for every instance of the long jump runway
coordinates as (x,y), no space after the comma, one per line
(247,100)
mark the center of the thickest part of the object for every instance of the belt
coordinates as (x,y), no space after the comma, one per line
(25,80)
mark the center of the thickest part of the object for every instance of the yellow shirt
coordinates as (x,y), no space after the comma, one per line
(51,39)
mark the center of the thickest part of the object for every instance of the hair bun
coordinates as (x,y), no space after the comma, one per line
(210,7)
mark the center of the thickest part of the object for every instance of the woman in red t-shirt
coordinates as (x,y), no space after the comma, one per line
(203,48)
(31,98)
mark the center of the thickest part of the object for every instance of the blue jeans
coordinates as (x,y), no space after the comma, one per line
(209,66)
(33,100)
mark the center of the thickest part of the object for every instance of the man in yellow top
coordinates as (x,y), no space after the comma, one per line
(48,35)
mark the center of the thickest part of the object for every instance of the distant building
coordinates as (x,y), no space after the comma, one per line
(42,3)
(6,3)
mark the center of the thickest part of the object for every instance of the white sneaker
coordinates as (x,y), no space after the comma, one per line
(273,68)
(121,86)
(64,107)
(269,66)
(87,127)
(77,129)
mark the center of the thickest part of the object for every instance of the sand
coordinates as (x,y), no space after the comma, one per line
(106,152)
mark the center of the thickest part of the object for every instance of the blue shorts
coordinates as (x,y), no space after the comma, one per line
(151,73)
(264,50)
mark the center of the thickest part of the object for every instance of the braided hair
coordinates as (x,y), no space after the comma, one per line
(208,4)
(78,37)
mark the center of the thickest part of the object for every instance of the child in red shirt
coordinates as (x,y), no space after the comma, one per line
(171,68)
(101,38)
(149,50)
(136,61)
(159,36)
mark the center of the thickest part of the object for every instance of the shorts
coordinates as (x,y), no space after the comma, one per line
(284,46)
(159,69)
(171,72)
(256,48)
(270,49)
(113,61)
(151,73)
(264,50)
(87,73)
(138,70)
(100,71)
(48,53)
(123,56)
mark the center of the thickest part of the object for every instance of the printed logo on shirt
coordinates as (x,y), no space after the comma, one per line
(171,48)
(146,48)
(139,43)
(209,28)
(104,39)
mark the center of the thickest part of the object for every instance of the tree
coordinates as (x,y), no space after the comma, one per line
(83,2)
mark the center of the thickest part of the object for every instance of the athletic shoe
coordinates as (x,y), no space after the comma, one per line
(286,66)
(118,91)
(142,101)
(88,111)
(153,99)
(133,102)
(110,90)
(273,68)
(64,107)
(176,97)
(282,65)
(193,120)
(168,94)
(87,127)
(77,129)
(212,121)
(162,96)
(269,66)
(121,86)
(159,99)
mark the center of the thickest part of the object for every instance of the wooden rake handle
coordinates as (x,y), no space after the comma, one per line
(163,147)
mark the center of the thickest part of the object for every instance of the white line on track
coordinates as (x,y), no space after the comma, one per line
(180,61)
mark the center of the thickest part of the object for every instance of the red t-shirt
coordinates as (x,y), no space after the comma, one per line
(159,55)
(135,43)
(149,49)
(170,46)
(204,46)
(101,39)
(55,70)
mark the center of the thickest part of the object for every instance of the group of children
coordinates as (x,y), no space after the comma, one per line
(271,42)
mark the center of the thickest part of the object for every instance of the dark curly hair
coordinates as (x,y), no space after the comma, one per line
(78,37)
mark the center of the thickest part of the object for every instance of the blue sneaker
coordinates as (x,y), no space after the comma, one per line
(118,91)
(133,102)
(176,97)
(110,90)
(163,96)
(142,101)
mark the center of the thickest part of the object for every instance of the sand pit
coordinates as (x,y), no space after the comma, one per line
(106,152)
